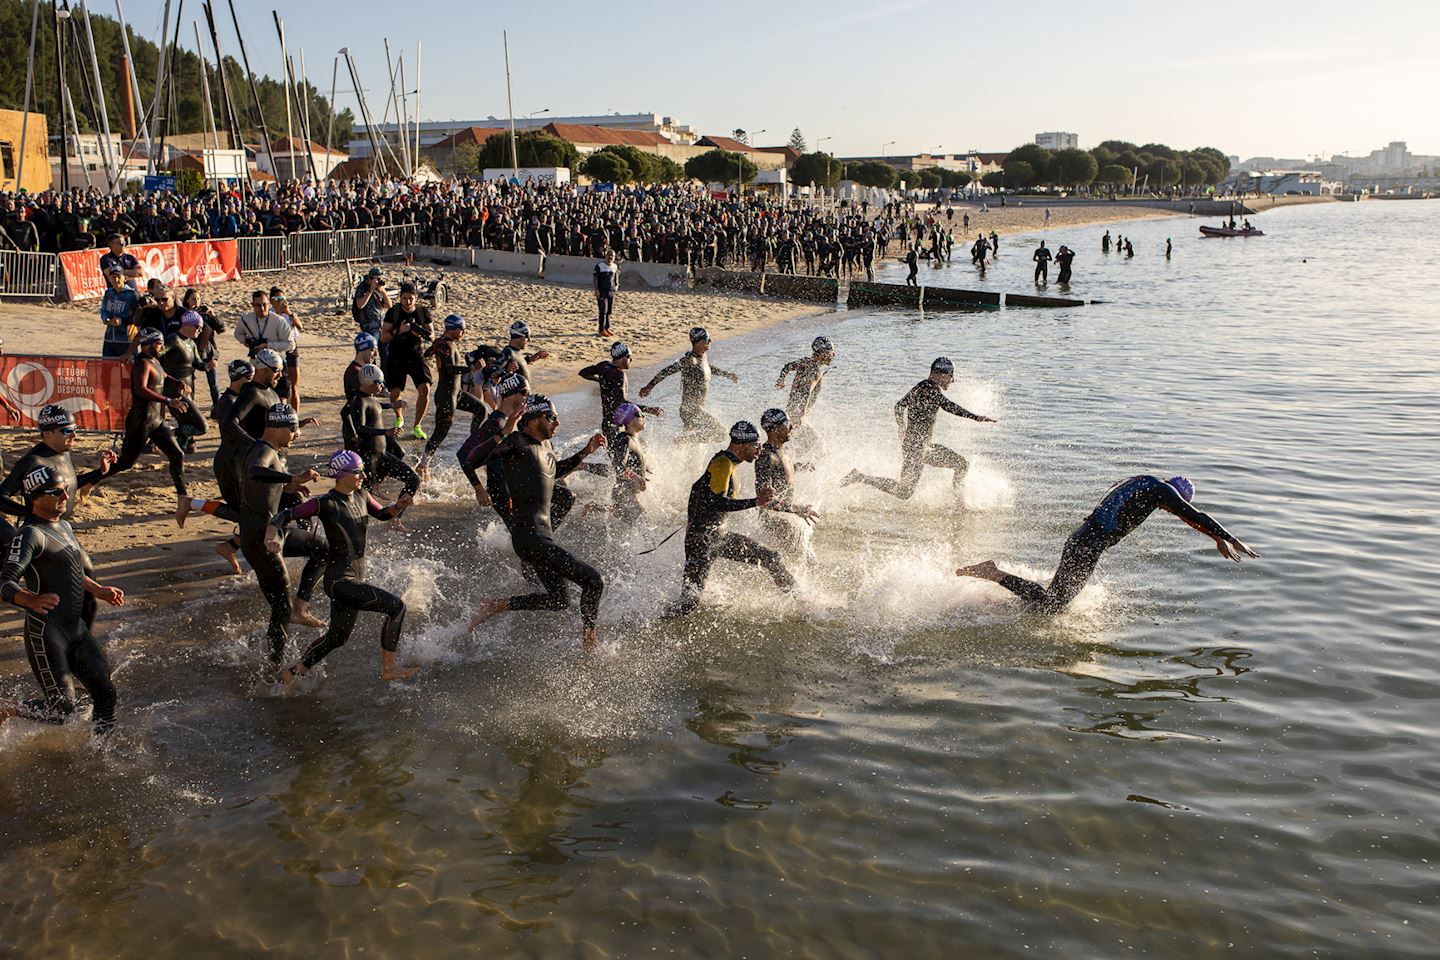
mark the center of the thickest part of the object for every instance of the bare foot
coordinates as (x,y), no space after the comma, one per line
(228,552)
(852,477)
(980,571)
(589,641)
(422,469)
(290,675)
(390,670)
(487,609)
(182,510)
(300,613)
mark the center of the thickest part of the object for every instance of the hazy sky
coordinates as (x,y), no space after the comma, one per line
(1320,77)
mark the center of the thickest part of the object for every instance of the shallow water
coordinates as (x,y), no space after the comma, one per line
(1198,758)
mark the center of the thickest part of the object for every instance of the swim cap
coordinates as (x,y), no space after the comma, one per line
(53,417)
(698,333)
(774,417)
(365,341)
(370,373)
(618,349)
(267,358)
(150,335)
(344,461)
(821,345)
(1184,487)
(454,322)
(519,329)
(943,365)
(282,415)
(537,405)
(624,414)
(744,432)
(240,369)
(41,478)
(191,319)
(512,385)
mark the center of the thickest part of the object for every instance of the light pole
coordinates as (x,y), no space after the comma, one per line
(888,143)
(740,166)
(827,159)
(532,116)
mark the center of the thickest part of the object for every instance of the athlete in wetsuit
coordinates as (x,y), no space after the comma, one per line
(57,439)
(242,422)
(364,417)
(809,377)
(632,464)
(614,385)
(179,362)
(1063,259)
(449,367)
(1126,505)
(694,369)
(530,474)
(499,424)
(1042,258)
(48,574)
(345,515)
(367,350)
(514,352)
(915,416)
(712,499)
(775,472)
(145,423)
(264,480)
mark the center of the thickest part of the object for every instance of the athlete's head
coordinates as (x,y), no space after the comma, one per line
(699,340)
(190,322)
(744,441)
(347,468)
(454,326)
(1184,487)
(372,379)
(823,349)
(539,418)
(364,344)
(620,354)
(776,424)
(45,493)
(281,425)
(510,390)
(942,371)
(239,371)
(519,331)
(629,416)
(267,366)
(150,341)
(57,426)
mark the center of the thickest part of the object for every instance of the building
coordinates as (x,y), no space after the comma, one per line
(764,159)
(286,159)
(1057,140)
(442,153)
(1283,183)
(434,131)
(37,165)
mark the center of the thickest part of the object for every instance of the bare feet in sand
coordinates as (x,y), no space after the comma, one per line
(981,571)
(228,552)
(390,670)
(300,613)
(182,510)
(589,641)
(487,609)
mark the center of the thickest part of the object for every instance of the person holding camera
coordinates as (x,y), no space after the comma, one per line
(369,306)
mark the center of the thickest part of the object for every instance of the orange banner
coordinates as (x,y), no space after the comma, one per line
(173,264)
(95,391)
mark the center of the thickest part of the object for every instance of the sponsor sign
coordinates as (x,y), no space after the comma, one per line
(95,391)
(175,264)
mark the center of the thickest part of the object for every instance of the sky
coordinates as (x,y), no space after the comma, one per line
(901,77)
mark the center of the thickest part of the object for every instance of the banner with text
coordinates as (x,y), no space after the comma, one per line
(175,263)
(95,391)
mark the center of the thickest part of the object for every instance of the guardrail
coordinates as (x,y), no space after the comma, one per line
(358,244)
(26,274)
(262,254)
(396,239)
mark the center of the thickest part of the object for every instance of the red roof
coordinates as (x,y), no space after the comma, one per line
(475,135)
(283,145)
(586,133)
(992,157)
(791,154)
(726,143)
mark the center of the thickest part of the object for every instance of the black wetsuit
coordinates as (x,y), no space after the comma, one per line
(614,385)
(180,361)
(45,557)
(241,423)
(1063,259)
(263,476)
(915,415)
(530,474)
(345,519)
(628,454)
(805,389)
(774,469)
(694,370)
(223,463)
(12,500)
(712,498)
(145,423)
(363,417)
(449,367)
(1042,264)
(1125,506)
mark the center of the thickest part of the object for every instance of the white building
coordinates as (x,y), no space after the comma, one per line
(433,131)
(1057,140)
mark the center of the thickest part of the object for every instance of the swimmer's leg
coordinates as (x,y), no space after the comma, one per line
(945,458)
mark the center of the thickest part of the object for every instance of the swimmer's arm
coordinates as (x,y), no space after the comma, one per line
(950,406)
(572,463)
(1206,524)
(11,486)
(467,402)
(591,373)
(728,375)
(300,511)
(785,372)
(483,454)
(902,408)
(23,549)
(660,374)
(373,508)
(232,426)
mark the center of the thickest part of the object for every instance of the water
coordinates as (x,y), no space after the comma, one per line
(1199,758)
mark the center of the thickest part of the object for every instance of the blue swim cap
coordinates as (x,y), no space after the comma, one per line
(1184,487)
(365,341)
(454,322)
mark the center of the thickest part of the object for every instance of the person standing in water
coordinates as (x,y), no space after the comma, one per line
(1105,242)
(631,462)
(345,513)
(1063,259)
(614,381)
(809,376)
(695,370)
(1125,506)
(1042,264)
(1168,248)
(450,366)
(915,416)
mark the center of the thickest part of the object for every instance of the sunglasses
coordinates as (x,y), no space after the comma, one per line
(52,492)
(68,431)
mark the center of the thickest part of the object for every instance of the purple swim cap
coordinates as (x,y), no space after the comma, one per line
(1184,487)
(343,462)
(624,414)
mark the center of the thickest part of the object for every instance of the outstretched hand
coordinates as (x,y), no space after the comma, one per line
(764,495)
(596,442)
(111,595)
(1236,551)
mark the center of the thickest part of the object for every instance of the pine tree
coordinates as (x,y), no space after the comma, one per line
(797,141)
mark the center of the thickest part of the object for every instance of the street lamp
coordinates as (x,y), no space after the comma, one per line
(740,166)
(888,143)
(532,116)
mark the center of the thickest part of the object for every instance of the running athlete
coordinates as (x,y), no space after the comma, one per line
(179,362)
(1125,506)
(694,369)
(775,472)
(364,417)
(227,507)
(632,464)
(614,385)
(48,574)
(499,424)
(809,376)
(449,367)
(145,423)
(406,329)
(345,514)
(712,498)
(264,480)
(915,416)
(57,439)
(514,351)
(530,474)
(244,420)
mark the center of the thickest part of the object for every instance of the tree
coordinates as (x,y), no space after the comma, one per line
(644,167)
(929,178)
(534,148)
(797,141)
(668,171)
(189,182)
(818,168)
(605,167)
(720,166)
(1162,172)
(874,173)
(955,178)
(1019,173)
(465,160)
(1113,173)
(995,180)
(1038,159)
(740,135)
(1074,167)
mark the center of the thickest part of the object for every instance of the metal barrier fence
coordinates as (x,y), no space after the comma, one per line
(397,238)
(262,254)
(310,247)
(24,274)
(354,244)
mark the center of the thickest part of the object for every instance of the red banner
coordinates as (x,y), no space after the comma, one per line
(174,264)
(96,391)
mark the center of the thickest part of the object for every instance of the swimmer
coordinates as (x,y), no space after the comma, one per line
(632,464)
(345,514)
(502,422)
(531,470)
(449,367)
(145,422)
(1125,506)
(775,471)
(514,351)
(614,383)
(695,370)
(364,417)
(915,416)
(240,372)
(809,377)
(57,439)
(48,574)
(712,499)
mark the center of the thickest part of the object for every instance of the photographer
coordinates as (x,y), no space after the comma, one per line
(369,306)
(262,329)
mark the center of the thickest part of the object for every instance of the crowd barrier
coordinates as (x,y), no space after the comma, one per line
(25,274)
(262,254)
(505,261)
(453,256)
(654,275)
